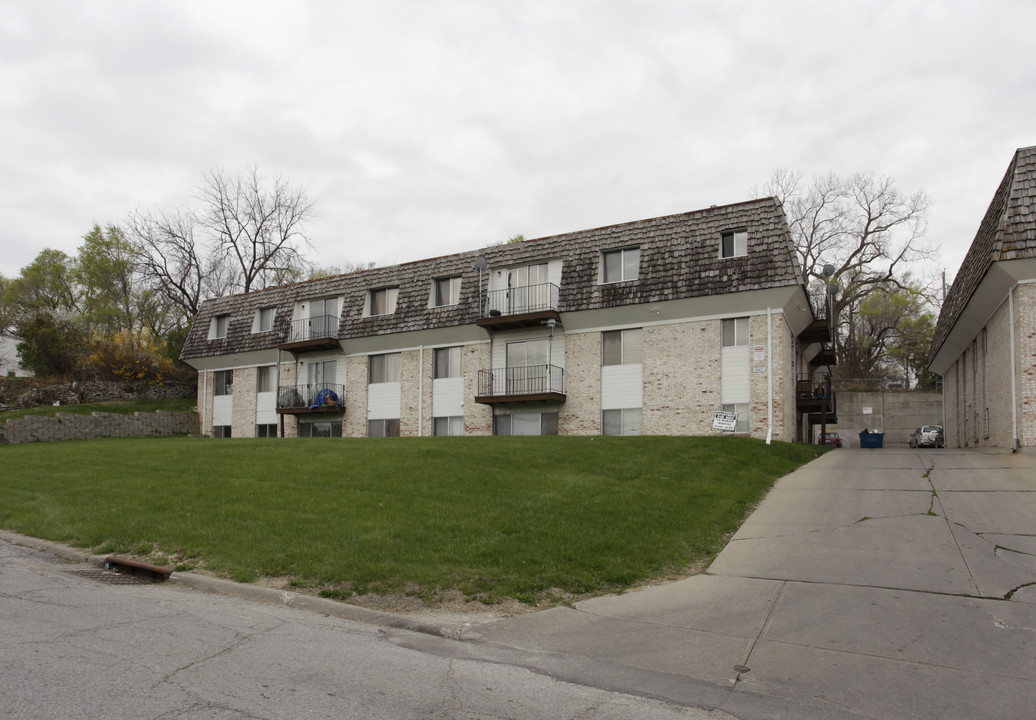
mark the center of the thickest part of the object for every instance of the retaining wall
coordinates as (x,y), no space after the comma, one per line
(65,426)
(897,414)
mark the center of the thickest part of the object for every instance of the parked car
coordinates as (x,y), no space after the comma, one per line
(927,436)
(830,438)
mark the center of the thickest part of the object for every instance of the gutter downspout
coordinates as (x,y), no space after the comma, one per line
(1014,386)
(769,375)
(204,400)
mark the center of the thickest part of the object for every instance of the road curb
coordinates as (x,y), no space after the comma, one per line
(271,596)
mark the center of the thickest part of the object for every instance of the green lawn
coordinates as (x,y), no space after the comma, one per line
(493,517)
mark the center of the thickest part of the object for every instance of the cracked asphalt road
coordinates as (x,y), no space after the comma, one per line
(73,647)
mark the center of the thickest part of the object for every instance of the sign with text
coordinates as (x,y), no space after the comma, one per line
(726,421)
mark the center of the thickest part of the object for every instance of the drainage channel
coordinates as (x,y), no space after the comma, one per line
(124,571)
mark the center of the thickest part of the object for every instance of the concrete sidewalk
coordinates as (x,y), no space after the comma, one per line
(869,583)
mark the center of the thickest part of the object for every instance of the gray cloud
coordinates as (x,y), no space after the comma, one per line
(423,128)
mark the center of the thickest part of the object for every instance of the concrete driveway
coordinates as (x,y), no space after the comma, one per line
(888,583)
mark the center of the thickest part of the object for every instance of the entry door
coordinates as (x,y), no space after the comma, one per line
(527,366)
(523,285)
(321,374)
(322,316)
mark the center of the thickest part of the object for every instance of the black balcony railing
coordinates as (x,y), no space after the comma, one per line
(518,381)
(314,328)
(521,300)
(315,397)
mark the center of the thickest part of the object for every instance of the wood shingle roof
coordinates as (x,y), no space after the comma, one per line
(1007,232)
(679,258)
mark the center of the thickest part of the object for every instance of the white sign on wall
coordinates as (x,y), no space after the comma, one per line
(726,421)
(868,410)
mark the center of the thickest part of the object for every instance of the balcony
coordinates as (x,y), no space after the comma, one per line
(311,399)
(519,307)
(521,384)
(312,334)
(813,396)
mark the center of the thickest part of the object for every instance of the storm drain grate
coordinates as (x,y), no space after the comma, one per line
(111,578)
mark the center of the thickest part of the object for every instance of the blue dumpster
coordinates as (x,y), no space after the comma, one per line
(872,440)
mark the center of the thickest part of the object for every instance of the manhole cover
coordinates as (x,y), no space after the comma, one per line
(111,578)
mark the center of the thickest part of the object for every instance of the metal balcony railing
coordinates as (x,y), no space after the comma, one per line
(327,397)
(314,328)
(521,300)
(526,380)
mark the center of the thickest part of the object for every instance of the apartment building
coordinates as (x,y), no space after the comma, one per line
(649,327)
(985,340)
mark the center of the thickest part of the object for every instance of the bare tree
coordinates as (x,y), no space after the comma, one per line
(862,226)
(170,259)
(257,224)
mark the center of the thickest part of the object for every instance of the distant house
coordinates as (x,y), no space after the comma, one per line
(10,363)
(985,340)
(648,327)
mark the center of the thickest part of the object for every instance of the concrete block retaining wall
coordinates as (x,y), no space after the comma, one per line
(65,426)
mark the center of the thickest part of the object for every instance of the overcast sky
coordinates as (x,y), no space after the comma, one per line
(429,127)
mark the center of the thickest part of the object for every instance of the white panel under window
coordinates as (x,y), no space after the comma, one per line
(622,386)
(736,374)
(266,395)
(448,397)
(222,409)
(383,401)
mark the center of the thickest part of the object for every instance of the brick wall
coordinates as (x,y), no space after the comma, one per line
(355,421)
(84,427)
(410,408)
(242,423)
(1025,321)
(478,418)
(580,414)
(681,378)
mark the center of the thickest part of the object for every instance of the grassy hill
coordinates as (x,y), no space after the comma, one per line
(493,517)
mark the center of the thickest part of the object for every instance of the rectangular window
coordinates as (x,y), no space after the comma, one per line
(445,291)
(622,422)
(321,428)
(266,430)
(383,428)
(385,368)
(219,326)
(622,347)
(448,426)
(734,243)
(526,424)
(742,416)
(447,362)
(220,431)
(735,331)
(383,301)
(223,382)
(264,319)
(620,265)
(266,379)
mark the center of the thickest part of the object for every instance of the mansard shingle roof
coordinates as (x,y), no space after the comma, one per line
(679,258)
(1007,232)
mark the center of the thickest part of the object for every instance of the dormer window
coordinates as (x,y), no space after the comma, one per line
(445,291)
(620,265)
(264,320)
(383,301)
(734,243)
(218,328)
